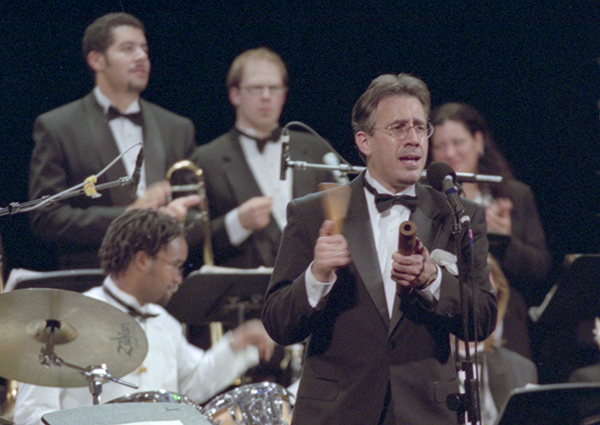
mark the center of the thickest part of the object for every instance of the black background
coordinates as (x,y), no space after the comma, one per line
(530,67)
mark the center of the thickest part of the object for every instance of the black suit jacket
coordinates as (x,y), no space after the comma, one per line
(524,256)
(355,351)
(229,183)
(73,142)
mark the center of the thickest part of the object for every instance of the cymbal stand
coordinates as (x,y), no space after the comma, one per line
(95,375)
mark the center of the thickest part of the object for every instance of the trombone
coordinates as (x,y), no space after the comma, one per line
(187,179)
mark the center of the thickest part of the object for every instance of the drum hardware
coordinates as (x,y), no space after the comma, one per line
(67,325)
(160,396)
(264,403)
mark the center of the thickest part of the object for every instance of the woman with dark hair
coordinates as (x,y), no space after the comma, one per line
(463,140)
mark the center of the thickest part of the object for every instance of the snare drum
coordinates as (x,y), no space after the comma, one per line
(160,396)
(264,403)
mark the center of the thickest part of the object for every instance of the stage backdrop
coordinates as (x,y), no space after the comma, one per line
(528,66)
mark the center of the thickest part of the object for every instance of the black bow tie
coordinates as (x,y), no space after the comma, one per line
(384,201)
(135,117)
(133,312)
(261,142)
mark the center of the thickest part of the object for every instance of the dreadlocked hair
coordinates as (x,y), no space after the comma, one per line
(134,231)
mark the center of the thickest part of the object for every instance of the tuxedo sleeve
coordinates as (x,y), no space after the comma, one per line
(287,313)
(62,221)
(526,258)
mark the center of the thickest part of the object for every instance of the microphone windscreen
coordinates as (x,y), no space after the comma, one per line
(437,172)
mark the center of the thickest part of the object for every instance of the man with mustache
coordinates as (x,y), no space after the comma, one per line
(81,138)
(378,323)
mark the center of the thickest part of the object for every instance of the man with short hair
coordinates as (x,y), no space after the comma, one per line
(246,197)
(378,323)
(142,254)
(81,138)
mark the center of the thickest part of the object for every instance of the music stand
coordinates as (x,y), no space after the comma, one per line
(117,414)
(564,321)
(576,296)
(73,280)
(219,295)
(557,404)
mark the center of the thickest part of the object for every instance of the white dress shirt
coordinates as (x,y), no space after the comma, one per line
(126,135)
(171,364)
(265,167)
(386,243)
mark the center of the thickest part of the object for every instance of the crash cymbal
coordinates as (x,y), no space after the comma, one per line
(88,332)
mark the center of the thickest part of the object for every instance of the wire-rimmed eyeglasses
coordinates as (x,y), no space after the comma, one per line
(399,131)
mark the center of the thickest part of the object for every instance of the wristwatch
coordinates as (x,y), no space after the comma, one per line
(429,281)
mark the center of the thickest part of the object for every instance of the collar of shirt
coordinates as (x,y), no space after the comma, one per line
(127,298)
(106,103)
(410,191)
(265,170)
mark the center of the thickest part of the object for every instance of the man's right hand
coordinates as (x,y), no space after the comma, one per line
(255,213)
(155,196)
(331,253)
(252,332)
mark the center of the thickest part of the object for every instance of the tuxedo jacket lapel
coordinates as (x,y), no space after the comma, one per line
(105,146)
(245,187)
(154,150)
(359,234)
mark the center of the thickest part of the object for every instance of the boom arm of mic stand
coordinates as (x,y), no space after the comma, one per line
(353,169)
(16,207)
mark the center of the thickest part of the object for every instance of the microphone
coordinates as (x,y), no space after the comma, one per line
(135,177)
(443,178)
(331,159)
(285,152)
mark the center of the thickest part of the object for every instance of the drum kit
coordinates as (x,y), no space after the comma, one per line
(59,338)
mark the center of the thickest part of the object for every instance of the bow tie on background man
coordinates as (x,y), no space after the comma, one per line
(261,142)
(135,117)
(385,201)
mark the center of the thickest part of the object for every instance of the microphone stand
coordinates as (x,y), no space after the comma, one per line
(346,169)
(16,207)
(469,401)
(88,187)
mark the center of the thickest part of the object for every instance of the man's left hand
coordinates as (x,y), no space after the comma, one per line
(412,271)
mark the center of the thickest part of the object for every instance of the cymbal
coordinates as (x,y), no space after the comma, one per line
(88,332)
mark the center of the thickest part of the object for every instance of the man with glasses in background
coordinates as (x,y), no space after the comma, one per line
(246,197)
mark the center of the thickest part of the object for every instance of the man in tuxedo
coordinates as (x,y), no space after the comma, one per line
(241,168)
(80,139)
(378,322)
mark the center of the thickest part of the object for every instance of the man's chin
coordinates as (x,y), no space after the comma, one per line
(137,87)
(165,300)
